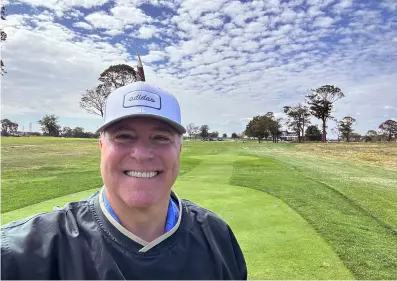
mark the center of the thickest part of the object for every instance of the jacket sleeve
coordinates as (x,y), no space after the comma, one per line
(8,270)
(239,256)
(28,248)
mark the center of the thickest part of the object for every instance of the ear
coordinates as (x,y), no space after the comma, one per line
(100,144)
(180,149)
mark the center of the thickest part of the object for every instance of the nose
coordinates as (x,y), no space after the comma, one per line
(142,151)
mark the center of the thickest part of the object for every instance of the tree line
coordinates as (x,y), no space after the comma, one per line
(49,126)
(203,132)
(320,103)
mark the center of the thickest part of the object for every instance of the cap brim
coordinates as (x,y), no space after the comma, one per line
(178,127)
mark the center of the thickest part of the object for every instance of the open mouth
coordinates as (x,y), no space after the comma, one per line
(142,175)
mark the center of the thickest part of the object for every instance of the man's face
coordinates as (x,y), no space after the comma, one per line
(140,159)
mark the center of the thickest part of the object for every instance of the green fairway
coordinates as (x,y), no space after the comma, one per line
(296,215)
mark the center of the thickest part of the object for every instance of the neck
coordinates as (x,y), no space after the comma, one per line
(146,223)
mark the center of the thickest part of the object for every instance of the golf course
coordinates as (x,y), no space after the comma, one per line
(299,211)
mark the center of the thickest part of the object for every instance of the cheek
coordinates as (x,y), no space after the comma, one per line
(110,158)
(173,161)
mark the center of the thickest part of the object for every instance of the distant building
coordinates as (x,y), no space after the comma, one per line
(288,136)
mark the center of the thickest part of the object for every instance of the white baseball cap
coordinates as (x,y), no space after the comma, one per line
(142,99)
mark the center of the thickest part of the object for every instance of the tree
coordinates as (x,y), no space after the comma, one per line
(256,127)
(192,130)
(224,136)
(321,102)
(66,132)
(213,134)
(3,36)
(78,132)
(234,136)
(94,100)
(196,131)
(261,127)
(116,76)
(8,127)
(337,129)
(204,131)
(389,127)
(298,118)
(346,127)
(313,133)
(371,135)
(273,126)
(49,125)
(355,137)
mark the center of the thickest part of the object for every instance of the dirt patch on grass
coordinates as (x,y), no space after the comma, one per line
(379,154)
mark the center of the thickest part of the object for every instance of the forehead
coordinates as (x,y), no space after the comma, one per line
(141,123)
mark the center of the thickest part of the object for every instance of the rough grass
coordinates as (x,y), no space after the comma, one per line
(335,211)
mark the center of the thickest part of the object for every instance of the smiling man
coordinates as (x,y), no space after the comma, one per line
(135,227)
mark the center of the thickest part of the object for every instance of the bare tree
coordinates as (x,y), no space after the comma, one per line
(190,129)
(337,129)
(94,100)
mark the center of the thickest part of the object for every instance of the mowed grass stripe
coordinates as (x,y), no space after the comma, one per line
(45,206)
(212,168)
(372,187)
(276,241)
(282,246)
(366,247)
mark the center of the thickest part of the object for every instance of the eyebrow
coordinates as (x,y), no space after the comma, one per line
(157,128)
(163,129)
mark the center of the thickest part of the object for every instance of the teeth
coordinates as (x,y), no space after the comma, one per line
(141,174)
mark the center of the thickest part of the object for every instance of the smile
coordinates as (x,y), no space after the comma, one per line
(144,175)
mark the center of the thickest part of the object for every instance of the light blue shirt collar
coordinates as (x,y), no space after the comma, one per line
(172,215)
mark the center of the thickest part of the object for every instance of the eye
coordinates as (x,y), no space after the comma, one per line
(161,138)
(124,137)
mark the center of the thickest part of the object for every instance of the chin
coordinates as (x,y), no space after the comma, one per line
(142,197)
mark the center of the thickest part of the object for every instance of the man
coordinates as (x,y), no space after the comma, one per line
(135,227)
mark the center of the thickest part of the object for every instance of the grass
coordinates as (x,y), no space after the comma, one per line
(299,211)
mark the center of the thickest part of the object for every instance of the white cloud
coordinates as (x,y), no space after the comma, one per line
(146,32)
(323,22)
(287,15)
(82,25)
(234,9)
(130,15)
(64,5)
(153,56)
(104,21)
(113,32)
(342,6)
(213,20)
(195,9)
(314,11)
(76,14)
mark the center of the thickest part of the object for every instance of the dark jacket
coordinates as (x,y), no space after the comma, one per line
(79,242)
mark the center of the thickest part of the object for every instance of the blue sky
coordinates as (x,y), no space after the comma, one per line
(225,61)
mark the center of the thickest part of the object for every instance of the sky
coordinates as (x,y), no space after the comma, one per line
(225,61)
